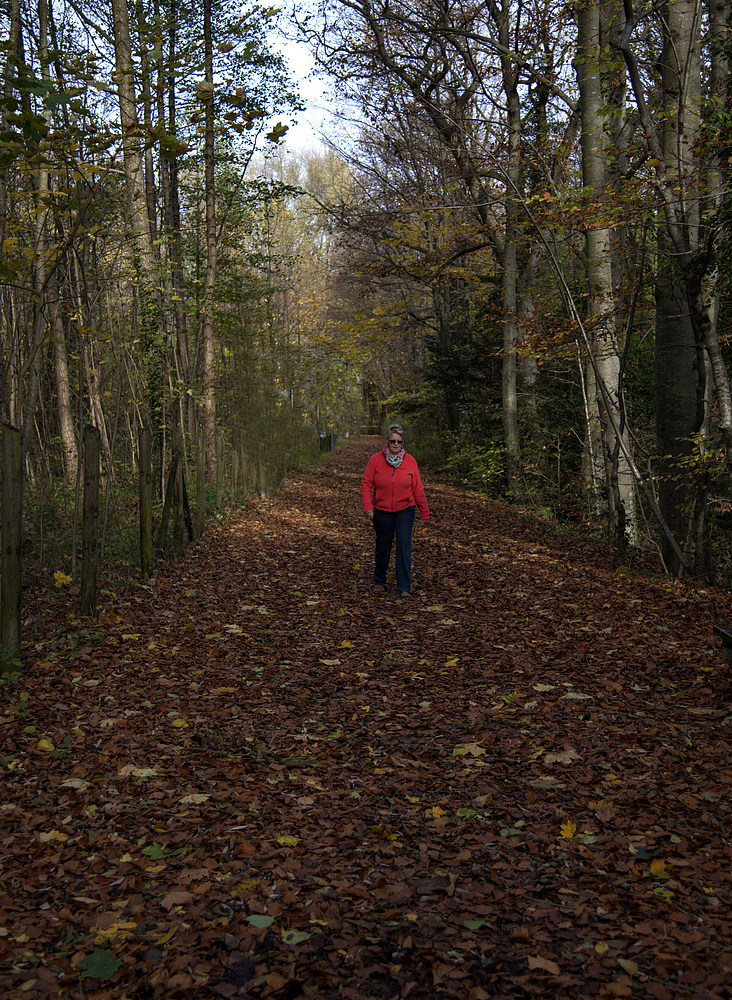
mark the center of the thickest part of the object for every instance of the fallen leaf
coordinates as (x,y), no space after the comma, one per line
(469,749)
(296,937)
(101,964)
(545,964)
(176,898)
(130,770)
(568,829)
(564,757)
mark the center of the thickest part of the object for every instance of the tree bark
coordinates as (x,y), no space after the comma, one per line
(207,323)
(615,471)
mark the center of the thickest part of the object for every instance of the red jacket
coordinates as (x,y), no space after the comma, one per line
(387,488)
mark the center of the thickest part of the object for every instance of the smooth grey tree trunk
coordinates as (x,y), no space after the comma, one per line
(605,404)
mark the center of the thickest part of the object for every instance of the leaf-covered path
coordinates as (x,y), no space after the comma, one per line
(255,778)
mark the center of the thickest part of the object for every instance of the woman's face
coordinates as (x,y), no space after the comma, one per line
(395,441)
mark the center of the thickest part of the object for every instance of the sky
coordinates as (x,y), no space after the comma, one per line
(314,92)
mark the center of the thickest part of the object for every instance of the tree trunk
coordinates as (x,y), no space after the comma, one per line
(509,394)
(601,324)
(207,325)
(136,196)
(679,359)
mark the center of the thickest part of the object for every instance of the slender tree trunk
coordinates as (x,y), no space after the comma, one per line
(63,384)
(9,69)
(509,393)
(171,199)
(146,95)
(136,195)
(41,242)
(598,262)
(207,325)
(680,370)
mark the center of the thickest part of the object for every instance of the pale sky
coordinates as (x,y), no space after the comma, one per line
(313,92)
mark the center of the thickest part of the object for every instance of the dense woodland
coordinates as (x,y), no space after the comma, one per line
(520,250)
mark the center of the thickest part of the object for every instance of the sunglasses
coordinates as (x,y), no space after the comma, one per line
(396,441)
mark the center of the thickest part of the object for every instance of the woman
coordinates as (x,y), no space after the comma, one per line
(391,491)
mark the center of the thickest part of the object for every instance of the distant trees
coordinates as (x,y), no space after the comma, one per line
(126,140)
(582,154)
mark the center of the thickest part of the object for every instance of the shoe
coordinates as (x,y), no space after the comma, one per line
(378,588)
(404,593)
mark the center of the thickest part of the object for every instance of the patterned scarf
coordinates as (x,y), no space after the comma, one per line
(394,460)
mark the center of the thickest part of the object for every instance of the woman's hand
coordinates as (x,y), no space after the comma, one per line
(370,515)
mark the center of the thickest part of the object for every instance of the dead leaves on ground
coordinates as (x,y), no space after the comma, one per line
(256,779)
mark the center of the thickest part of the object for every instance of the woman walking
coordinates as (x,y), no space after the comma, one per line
(391,492)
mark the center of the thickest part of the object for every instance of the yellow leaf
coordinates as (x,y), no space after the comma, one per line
(180,723)
(453,662)
(469,750)
(568,829)
(601,948)
(287,840)
(45,745)
(437,812)
(164,938)
(663,893)
(658,868)
(53,835)
(346,644)
(115,932)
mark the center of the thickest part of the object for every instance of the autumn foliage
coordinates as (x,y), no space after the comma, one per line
(255,778)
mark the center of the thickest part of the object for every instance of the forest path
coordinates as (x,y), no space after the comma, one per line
(256,778)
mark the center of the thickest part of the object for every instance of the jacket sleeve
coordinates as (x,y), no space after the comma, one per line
(419,498)
(367,484)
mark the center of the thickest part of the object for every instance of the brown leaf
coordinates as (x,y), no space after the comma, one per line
(545,964)
(178,897)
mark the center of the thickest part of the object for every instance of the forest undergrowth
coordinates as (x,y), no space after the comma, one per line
(254,777)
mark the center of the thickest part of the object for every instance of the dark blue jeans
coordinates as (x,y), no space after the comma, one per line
(386,526)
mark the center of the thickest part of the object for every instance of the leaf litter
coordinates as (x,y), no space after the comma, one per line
(257,779)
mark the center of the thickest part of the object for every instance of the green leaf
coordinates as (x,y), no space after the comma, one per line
(466,813)
(260,920)
(157,851)
(295,937)
(101,964)
(473,925)
(274,136)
